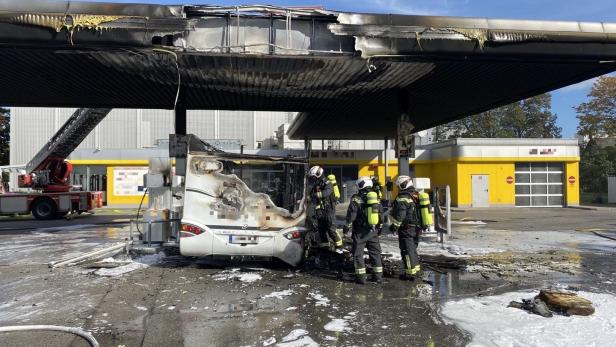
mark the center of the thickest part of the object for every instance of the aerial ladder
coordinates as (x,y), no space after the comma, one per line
(48,173)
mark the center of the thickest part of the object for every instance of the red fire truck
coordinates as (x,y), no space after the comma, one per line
(46,177)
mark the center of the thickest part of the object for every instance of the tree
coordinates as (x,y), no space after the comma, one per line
(440,133)
(532,118)
(485,124)
(527,118)
(597,116)
(596,164)
(5,128)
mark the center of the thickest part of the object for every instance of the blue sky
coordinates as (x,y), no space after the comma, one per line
(563,100)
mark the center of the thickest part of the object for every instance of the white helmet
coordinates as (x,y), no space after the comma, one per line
(404,182)
(364,183)
(316,171)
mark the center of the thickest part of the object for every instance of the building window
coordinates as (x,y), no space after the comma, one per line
(539,184)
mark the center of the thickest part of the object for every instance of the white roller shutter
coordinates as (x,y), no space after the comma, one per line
(539,184)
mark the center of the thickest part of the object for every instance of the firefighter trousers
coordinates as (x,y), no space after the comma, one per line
(366,238)
(408,239)
(327,227)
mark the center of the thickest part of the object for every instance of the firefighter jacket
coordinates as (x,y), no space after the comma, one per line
(321,194)
(405,211)
(357,215)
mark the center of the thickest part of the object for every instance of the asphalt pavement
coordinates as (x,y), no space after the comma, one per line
(169,300)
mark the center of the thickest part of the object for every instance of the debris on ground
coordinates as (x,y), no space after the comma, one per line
(107,263)
(515,264)
(83,257)
(328,261)
(491,323)
(536,306)
(566,303)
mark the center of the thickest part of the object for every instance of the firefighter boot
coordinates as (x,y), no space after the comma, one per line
(378,277)
(416,271)
(360,279)
(406,277)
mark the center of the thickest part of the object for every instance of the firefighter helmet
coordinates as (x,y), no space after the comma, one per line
(404,182)
(364,183)
(316,171)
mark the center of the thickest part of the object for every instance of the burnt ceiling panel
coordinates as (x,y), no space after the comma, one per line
(350,75)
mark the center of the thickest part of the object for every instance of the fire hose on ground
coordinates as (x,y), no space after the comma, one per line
(76,331)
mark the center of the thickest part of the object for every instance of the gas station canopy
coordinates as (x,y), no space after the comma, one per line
(349,75)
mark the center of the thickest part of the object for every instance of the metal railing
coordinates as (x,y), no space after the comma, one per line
(442,212)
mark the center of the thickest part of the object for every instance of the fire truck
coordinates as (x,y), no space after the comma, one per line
(45,189)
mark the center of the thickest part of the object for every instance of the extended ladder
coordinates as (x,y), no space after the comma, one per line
(69,136)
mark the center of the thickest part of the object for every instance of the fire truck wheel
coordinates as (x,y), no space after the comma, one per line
(44,209)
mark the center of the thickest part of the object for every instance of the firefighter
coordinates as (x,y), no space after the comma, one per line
(376,187)
(364,218)
(321,208)
(406,221)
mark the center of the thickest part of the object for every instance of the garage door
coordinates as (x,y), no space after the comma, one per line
(539,184)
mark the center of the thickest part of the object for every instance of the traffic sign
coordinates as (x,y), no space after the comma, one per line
(509,179)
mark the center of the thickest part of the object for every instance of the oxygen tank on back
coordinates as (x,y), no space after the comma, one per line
(372,208)
(332,179)
(424,207)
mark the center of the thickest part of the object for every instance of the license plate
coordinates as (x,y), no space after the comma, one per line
(243,239)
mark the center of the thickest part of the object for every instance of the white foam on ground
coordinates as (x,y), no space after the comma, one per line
(319,298)
(337,325)
(297,338)
(269,342)
(236,274)
(492,323)
(120,270)
(138,263)
(389,244)
(279,295)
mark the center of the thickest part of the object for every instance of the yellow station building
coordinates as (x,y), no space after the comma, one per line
(483,172)
(480,172)
(504,172)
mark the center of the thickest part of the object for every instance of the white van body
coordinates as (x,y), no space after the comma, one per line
(222,216)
